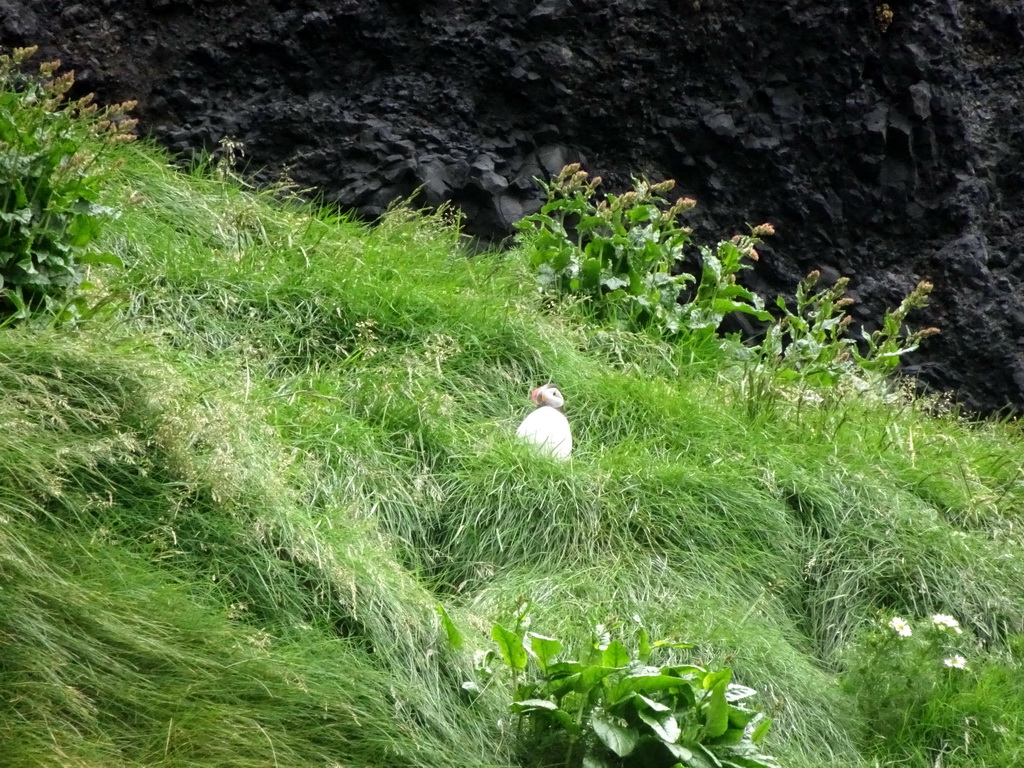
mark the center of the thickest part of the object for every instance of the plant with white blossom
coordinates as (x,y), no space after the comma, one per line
(910,675)
(900,626)
(942,621)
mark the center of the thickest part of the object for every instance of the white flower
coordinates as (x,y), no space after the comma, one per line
(956,662)
(900,626)
(943,621)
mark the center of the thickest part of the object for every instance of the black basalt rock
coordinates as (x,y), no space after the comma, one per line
(888,151)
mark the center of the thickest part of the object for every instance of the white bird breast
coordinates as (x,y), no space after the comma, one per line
(548,428)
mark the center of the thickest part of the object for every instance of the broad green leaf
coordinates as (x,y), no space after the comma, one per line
(737,692)
(700,757)
(587,223)
(528,704)
(618,738)
(548,709)
(83,230)
(664,724)
(716,711)
(454,636)
(632,684)
(655,706)
(730,737)
(737,291)
(642,213)
(761,730)
(511,647)
(688,671)
(22,216)
(615,655)
(614,282)
(560,259)
(543,649)
(100,258)
(601,250)
(749,761)
(591,761)
(590,274)
(18,300)
(679,751)
(718,678)
(636,283)
(563,669)
(592,675)
(644,645)
(526,690)
(560,686)
(723,306)
(738,717)
(482,662)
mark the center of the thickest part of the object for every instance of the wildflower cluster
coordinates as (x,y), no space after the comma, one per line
(920,692)
(940,623)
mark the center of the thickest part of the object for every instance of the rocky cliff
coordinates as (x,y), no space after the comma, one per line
(884,141)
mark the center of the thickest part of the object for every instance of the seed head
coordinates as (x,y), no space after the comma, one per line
(62,83)
(627,198)
(19,55)
(578,179)
(567,171)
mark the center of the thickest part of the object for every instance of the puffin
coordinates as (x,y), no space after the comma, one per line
(547,427)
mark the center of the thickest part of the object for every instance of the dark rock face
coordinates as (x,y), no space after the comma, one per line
(885,142)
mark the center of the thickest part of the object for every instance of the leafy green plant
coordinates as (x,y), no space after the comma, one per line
(622,255)
(611,706)
(812,344)
(928,692)
(886,346)
(50,213)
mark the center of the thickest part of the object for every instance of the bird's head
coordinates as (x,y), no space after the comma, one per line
(548,395)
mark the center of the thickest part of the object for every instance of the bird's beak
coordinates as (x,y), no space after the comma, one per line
(535,395)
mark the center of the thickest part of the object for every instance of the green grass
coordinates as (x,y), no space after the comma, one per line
(230,501)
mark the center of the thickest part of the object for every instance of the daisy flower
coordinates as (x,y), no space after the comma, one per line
(941,620)
(900,626)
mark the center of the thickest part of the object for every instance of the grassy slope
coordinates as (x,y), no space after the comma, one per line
(229,504)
